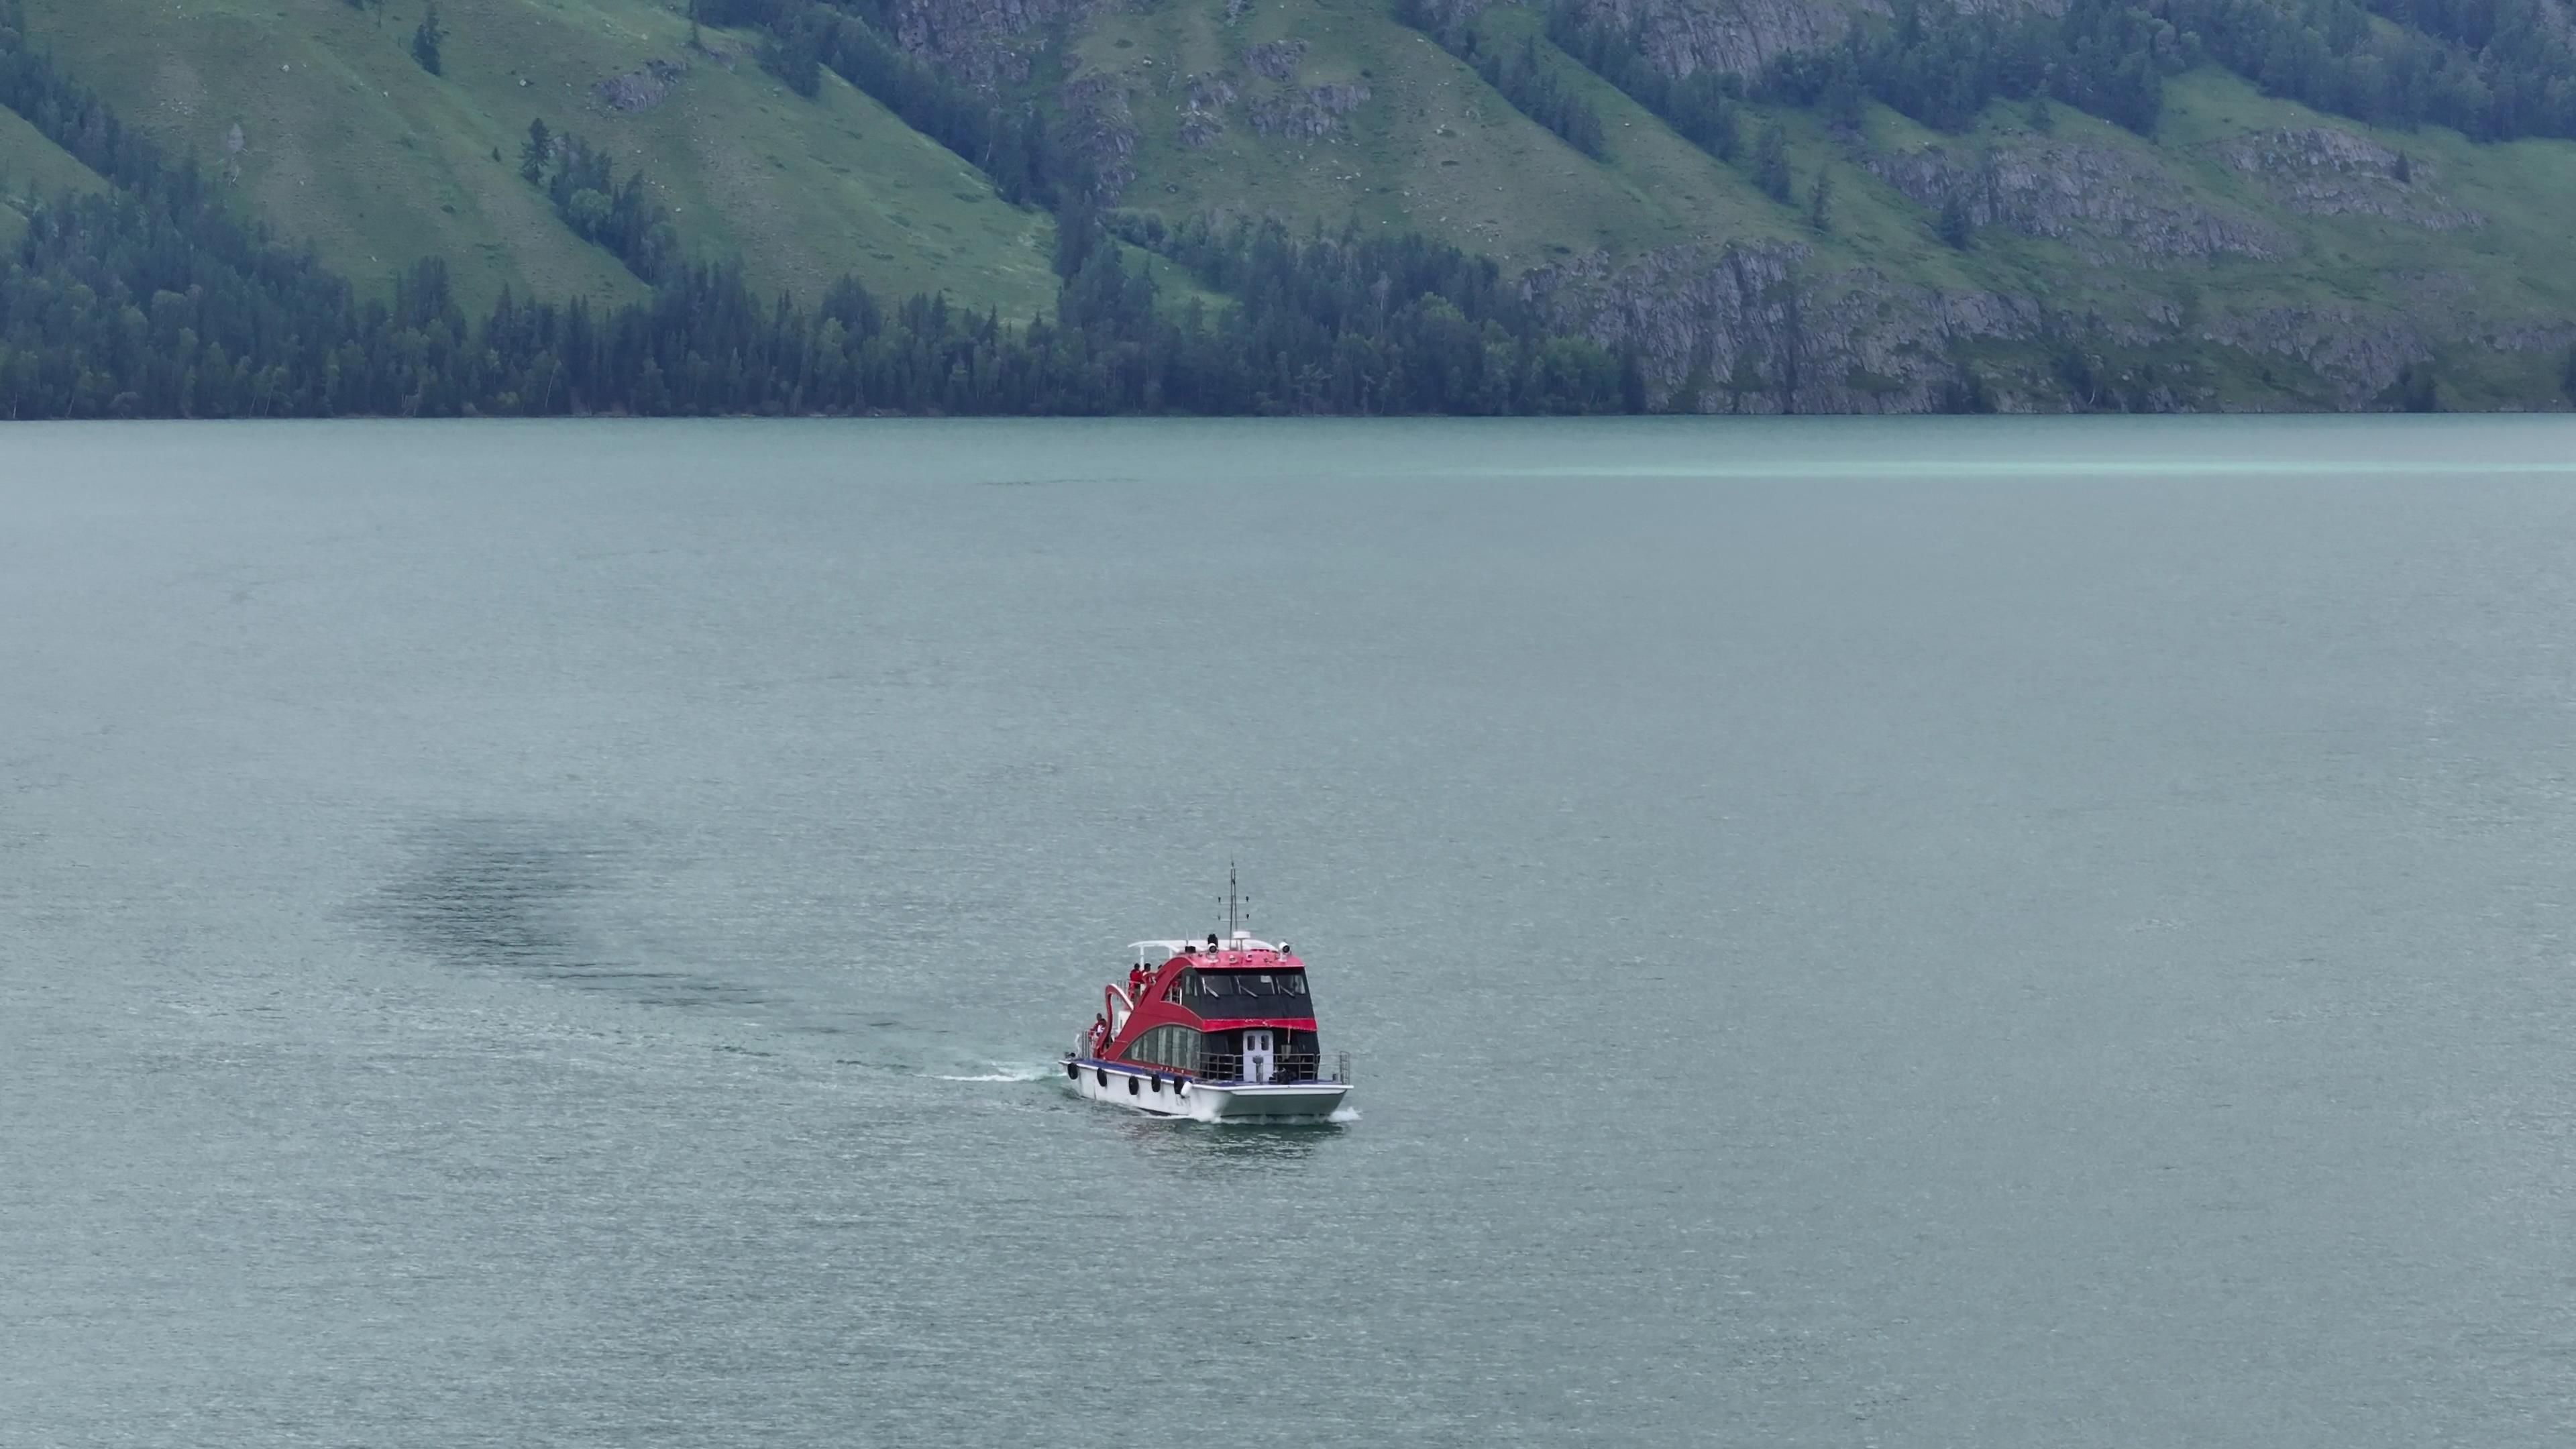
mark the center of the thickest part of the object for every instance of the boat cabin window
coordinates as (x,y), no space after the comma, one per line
(1176,1047)
(1245,993)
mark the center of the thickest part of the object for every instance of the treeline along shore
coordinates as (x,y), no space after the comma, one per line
(2109,204)
(155,299)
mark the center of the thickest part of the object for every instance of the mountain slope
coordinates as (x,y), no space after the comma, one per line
(32,166)
(2253,253)
(350,143)
(2224,247)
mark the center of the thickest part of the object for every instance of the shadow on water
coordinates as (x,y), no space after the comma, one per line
(508,897)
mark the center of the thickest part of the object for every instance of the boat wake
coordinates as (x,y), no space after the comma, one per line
(1207,1115)
(1003,1074)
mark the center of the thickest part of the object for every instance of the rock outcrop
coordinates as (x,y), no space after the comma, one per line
(1202,106)
(2326,171)
(982,42)
(1102,131)
(1683,36)
(1276,59)
(2110,205)
(1748,328)
(2359,353)
(1764,327)
(1307,113)
(1740,329)
(641,90)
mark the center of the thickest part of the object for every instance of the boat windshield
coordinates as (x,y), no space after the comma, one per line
(1246,993)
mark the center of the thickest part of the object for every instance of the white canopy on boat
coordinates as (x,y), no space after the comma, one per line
(1242,942)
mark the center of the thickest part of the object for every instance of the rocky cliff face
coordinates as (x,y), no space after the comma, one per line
(1306,113)
(983,42)
(1768,327)
(1276,59)
(1102,131)
(2359,353)
(2325,171)
(1683,36)
(1740,329)
(2109,204)
(1754,329)
(1271,101)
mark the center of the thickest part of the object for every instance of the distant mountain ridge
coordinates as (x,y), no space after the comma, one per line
(1747,205)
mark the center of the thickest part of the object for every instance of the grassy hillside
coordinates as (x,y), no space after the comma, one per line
(2247,251)
(1434,148)
(33,167)
(348,142)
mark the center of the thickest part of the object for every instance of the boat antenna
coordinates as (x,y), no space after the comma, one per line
(1231,911)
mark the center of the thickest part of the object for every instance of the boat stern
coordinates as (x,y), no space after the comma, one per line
(1272,1101)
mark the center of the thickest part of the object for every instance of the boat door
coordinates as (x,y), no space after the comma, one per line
(1257,1059)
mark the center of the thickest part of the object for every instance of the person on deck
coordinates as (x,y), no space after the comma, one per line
(1099,1033)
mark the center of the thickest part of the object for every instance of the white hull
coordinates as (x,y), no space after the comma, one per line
(1162,1094)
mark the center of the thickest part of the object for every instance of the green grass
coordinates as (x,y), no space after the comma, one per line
(1434,148)
(2506,274)
(352,146)
(1437,150)
(378,163)
(32,167)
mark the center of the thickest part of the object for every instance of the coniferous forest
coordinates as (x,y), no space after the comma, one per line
(157,301)
(167,295)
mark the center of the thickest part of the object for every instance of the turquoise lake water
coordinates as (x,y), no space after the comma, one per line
(1851,932)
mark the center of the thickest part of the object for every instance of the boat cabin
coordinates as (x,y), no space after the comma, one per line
(1219,1010)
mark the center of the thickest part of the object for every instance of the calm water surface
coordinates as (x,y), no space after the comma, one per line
(1957,932)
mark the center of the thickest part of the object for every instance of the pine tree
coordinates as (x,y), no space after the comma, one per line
(1955,225)
(534,155)
(1077,231)
(1820,202)
(425,41)
(1771,163)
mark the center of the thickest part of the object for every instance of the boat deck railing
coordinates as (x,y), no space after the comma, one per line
(1225,1069)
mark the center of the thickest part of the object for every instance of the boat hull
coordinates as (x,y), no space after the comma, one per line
(1163,1094)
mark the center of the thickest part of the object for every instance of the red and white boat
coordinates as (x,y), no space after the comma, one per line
(1217,1030)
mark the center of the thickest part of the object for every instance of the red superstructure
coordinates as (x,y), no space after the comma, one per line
(1235,1010)
(1216,1029)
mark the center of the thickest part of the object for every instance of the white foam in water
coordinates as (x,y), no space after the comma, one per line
(1207,1113)
(1007,1074)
